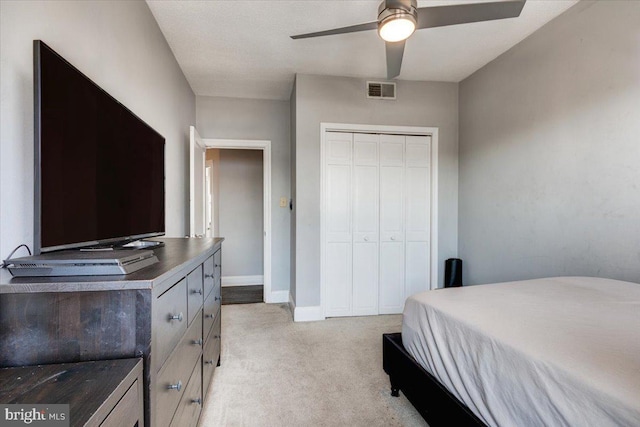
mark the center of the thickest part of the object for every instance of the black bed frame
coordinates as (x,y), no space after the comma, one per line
(432,400)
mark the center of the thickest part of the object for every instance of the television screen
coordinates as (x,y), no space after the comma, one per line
(99,172)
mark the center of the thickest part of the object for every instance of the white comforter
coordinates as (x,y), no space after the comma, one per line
(548,352)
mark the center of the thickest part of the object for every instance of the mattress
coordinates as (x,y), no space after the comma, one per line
(560,351)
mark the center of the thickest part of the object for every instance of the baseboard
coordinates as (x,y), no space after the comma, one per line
(242,280)
(278,297)
(292,304)
(305,314)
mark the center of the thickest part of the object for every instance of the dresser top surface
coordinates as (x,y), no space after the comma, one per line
(175,254)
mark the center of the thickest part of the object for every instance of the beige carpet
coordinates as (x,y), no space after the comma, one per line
(276,372)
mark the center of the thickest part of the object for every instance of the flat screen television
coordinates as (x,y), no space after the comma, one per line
(99,169)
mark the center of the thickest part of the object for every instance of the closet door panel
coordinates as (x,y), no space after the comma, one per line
(418,214)
(391,286)
(391,203)
(365,224)
(337,274)
(392,191)
(338,148)
(338,203)
(418,151)
(338,277)
(418,256)
(365,279)
(392,150)
(365,149)
(417,222)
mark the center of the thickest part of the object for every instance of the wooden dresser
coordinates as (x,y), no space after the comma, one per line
(106,393)
(167,313)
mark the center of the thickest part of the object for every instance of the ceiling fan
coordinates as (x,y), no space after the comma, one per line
(398,19)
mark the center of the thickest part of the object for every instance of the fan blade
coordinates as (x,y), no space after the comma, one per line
(352,29)
(395,50)
(440,16)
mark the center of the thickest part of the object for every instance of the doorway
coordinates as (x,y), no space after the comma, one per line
(263,148)
(238,217)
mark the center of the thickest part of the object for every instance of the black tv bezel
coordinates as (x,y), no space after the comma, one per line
(37,237)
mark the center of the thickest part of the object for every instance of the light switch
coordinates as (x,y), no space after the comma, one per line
(284,202)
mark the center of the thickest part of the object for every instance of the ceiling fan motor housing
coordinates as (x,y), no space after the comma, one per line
(393,8)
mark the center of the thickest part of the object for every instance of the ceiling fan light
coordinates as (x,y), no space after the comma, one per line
(397,27)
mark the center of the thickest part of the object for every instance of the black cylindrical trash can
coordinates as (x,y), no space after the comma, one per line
(453,273)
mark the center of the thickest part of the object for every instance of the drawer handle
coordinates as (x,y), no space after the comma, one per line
(196,291)
(208,276)
(208,362)
(177,317)
(197,342)
(208,316)
(393,237)
(176,387)
(197,401)
(366,238)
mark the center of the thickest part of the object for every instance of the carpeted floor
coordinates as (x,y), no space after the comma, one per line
(275,372)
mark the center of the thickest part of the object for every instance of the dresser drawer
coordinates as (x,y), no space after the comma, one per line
(190,405)
(217,267)
(174,375)
(211,310)
(194,293)
(211,355)
(209,275)
(128,411)
(170,320)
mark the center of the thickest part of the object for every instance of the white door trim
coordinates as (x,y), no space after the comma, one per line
(383,129)
(194,138)
(265,146)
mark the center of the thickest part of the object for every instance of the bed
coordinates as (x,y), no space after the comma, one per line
(556,351)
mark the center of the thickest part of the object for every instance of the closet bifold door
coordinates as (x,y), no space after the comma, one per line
(392,234)
(365,224)
(418,214)
(338,224)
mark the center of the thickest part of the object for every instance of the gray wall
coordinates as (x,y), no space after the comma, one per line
(550,152)
(119,46)
(232,118)
(240,217)
(343,100)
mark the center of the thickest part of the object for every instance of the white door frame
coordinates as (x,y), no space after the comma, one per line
(265,146)
(382,129)
(195,142)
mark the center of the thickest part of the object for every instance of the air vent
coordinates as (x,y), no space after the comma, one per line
(381,90)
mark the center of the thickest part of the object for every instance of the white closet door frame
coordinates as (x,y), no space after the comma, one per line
(381,129)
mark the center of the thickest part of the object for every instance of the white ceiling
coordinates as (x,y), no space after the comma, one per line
(240,48)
